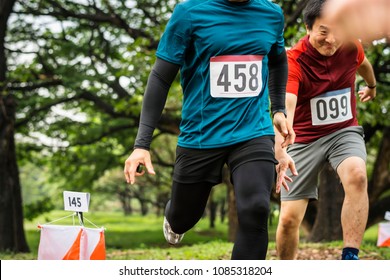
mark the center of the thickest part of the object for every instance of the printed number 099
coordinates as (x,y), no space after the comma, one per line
(333,109)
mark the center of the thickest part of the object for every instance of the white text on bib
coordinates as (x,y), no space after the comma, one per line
(331,107)
(236,76)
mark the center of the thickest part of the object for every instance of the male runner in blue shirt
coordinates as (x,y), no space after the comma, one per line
(232,60)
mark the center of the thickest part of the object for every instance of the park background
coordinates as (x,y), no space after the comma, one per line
(72,78)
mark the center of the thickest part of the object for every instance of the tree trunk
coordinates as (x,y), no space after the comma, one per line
(222,210)
(212,205)
(161,201)
(380,181)
(144,207)
(125,200)
(12,236)
(327,225)
(232,209)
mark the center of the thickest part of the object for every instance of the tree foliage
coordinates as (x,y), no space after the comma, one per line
(79,88)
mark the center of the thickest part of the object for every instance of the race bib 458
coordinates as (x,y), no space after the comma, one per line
(236,76)
(331,107)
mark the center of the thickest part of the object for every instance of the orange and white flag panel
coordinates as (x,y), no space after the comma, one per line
(96,246)
(383,235)
(71,243)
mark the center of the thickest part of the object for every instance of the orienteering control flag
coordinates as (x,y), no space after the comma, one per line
(71,243)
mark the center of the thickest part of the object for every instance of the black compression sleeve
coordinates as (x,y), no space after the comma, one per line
(278,71)
(159,82)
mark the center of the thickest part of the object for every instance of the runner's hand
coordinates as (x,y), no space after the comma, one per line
(284,128)
(285,162)
(137,157)
(367,94)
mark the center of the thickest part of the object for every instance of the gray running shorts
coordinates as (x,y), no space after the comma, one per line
(310,159)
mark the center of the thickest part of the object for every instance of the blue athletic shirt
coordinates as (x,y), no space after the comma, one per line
(222,50)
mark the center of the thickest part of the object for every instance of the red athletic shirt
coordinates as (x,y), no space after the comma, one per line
(325,87)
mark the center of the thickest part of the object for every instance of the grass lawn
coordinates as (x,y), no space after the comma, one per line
(141,238)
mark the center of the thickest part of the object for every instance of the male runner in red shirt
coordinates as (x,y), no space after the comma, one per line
(321,104)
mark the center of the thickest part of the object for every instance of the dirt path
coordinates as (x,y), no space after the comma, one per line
(324,253)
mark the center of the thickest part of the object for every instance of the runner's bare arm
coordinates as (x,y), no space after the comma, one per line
(285,161)
(278,70)
(366,71)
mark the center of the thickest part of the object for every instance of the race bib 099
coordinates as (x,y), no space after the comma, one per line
(236,76)
(331,107)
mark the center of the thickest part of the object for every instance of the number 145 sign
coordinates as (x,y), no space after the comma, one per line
(76,201)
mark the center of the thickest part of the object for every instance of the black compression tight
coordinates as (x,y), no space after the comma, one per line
(252,185)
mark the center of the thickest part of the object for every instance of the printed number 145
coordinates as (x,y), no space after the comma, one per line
(74,201)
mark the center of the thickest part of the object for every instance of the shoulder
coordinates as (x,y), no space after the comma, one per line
(190,10)
(182,16)
(270,5)
(354,49)
(296,51)
(191,4)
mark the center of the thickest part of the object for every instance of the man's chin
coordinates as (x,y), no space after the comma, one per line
(328,52)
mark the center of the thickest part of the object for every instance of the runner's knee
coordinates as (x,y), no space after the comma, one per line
(289,221)
(253,213)
(357,178)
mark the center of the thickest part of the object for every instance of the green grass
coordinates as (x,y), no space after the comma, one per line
(370,240)
(141,238)
(133,236)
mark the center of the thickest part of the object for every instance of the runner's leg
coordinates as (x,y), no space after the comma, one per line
(252,185)
(354,214)
(187,205)
(309,160)
(348,157)
(287,233)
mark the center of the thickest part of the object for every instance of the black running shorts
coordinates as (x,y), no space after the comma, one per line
(205,165)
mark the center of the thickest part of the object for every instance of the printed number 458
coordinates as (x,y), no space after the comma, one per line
(240,77)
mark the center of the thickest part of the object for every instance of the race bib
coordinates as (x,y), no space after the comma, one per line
(235,76)
(331,107)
